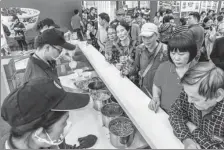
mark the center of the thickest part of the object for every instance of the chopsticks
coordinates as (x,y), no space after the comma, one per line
(150,95)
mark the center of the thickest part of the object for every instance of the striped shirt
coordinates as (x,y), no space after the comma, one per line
(179,29)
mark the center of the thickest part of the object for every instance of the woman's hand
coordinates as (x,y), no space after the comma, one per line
(154,104)
(190,144)
(191,126)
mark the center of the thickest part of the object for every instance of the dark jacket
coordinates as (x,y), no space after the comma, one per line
(198,34)
(6,30)
(217,55)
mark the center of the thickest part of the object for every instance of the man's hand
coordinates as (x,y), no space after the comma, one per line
(73,65)
(154,104)
(191,126)
(190,144)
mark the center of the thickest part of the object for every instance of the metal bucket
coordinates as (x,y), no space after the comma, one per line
(109,112)
(96,85)
(99,103)
(121,141)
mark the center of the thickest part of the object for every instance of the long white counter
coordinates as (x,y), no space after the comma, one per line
(155,128)
(89,121)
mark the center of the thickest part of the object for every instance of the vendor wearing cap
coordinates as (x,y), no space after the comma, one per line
(149,55)
(38,115)
(43,62)
(120,16)
(43,25)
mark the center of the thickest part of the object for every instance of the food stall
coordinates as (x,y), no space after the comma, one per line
(151,129)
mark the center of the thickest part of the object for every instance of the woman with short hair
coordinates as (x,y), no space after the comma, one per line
(182,51)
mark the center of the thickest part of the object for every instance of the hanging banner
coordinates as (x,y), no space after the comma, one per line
(207,5)
(173,5)
(188,6)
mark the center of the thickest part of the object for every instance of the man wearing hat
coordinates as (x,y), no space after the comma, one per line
(120,15)
(149,55)
(43,25)
(37,113)
(42,63)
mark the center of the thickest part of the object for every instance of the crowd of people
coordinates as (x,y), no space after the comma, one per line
(179,66)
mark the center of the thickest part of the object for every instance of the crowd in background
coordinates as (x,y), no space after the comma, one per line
(163,57)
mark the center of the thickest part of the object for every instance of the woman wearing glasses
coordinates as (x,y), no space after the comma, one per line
(112,40)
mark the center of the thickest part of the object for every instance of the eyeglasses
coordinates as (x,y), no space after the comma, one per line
(59,50)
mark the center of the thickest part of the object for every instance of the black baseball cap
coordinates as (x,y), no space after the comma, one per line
(55,37)
(36,98)
(49,22)
(14,17)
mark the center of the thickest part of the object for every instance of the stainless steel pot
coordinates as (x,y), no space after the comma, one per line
(121,142)
(96,85)
(106,118)
(98,104)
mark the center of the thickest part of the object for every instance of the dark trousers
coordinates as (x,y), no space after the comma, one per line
(22,44)
(79,34)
